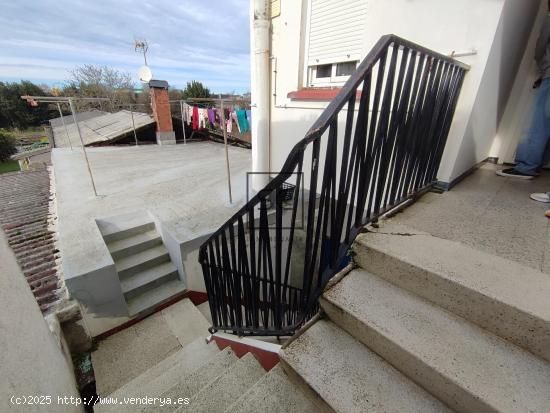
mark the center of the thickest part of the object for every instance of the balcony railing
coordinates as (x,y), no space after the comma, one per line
(378,144)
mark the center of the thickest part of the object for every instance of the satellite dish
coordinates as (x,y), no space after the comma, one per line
(145,74)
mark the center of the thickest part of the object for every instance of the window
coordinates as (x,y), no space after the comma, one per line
(331,74)
(345,68)
(323,71)
(335,40)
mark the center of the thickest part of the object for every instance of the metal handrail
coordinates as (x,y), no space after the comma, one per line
(390,152)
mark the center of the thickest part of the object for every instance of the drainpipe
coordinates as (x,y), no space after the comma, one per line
(260,22)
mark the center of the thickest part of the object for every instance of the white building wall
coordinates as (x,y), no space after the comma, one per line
(496,29)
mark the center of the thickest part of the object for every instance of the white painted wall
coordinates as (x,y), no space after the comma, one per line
(497,29)
(31,360)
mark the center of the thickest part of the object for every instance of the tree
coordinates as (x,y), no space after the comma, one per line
(7,145)
(195,89)
(15,112)
(101,81)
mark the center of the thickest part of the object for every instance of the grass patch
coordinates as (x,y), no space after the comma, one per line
(9,166)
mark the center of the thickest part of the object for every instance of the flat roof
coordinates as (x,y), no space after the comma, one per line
(183,186)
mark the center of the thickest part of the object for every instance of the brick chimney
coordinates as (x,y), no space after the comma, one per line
(161,111)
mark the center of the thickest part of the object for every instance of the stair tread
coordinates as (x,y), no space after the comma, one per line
(186,321)
(228,387)
(204,308)
(134,260)
(502,296)
(274,393)
(495,371)
(154,296)
(165,374)
(191,384)
(147,276)
(122,244)
(124,222)
(351,378)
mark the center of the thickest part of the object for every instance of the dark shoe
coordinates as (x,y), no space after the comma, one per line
(512,173)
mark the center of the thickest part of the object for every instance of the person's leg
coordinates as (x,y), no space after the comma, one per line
(532,150)
(545,156)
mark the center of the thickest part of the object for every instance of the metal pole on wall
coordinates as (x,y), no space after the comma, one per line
(64,125)
(226,152)
(133,125)
(182,123)
(71,104)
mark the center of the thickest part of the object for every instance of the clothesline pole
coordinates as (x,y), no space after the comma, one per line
(133,125)
(73,111)
(64,125)
(182,123)
(226,152)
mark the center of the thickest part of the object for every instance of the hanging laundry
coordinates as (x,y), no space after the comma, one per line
(217,118)
(195,118)
(234,117)
(211,117)
(229,125)
(203,117)
(241,121)
(189,114)
(184,112)
(249,117)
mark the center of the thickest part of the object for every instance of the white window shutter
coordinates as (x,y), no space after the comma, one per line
(336,31)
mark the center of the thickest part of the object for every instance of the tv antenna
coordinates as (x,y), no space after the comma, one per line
(141,46)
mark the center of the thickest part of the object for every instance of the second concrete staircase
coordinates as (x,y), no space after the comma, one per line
(147,275)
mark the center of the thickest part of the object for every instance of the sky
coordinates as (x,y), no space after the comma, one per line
(205,40)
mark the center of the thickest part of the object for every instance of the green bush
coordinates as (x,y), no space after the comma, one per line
(7,145)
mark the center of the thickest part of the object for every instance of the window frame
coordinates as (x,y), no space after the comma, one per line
(333,80)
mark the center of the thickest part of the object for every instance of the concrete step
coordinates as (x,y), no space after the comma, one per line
(502,296)
(349,377)
(164,375)
(467,367)
(125,225)
(145,280)
(274,393)
(134,244)
(141,261)
(154,297)
(204,308)
(191,384)
(186,321)
(119,234)
(221,393)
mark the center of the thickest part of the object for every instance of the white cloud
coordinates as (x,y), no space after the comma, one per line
(189,39)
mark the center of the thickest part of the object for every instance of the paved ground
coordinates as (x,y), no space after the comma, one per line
(25,218)
(491,213)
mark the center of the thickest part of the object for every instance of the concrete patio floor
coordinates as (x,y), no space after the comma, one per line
(184,187)
(491,213)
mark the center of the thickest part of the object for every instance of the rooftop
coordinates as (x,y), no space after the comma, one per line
(182,186)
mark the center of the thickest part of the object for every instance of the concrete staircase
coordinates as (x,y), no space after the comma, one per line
(147,275)
(211,381)
(416,324)
(422,324)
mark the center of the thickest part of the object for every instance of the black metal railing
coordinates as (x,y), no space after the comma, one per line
(267,266)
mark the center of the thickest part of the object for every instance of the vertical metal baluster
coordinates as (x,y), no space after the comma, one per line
(308,264)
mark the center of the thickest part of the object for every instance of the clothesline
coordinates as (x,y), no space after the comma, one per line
(211,118)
